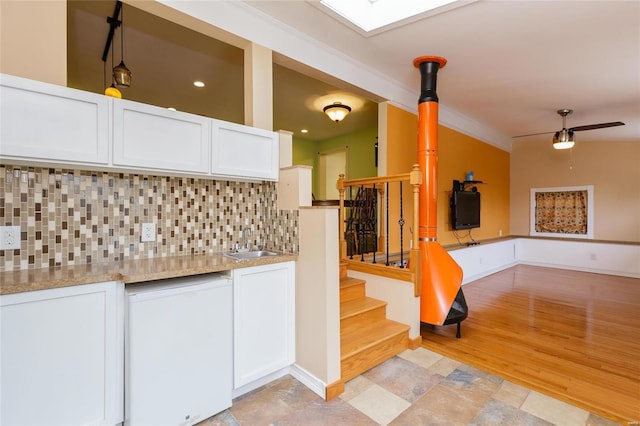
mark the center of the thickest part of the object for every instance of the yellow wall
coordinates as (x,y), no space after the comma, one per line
(457,154)
(402,140)
(613,168)
(33,40)
(402,153)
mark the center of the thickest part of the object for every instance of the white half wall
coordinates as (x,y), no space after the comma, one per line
(599,257)
(318,296)
(588,256)
(485,259)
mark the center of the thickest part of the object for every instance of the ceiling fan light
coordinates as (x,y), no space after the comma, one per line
(337,111)
(563,139)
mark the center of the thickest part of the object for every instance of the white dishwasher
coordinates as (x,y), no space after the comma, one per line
(178,350)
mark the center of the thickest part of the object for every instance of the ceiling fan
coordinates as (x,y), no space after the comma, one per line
(563,139)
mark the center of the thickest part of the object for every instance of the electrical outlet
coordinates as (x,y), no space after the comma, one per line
(9,237)
(148,232)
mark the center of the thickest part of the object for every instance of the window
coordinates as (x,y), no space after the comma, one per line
(562,212)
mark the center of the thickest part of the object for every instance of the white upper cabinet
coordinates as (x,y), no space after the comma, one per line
(55,126)
(50,124)
(244,152)
(155,138)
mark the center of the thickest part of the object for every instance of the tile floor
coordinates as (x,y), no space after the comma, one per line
(414,388)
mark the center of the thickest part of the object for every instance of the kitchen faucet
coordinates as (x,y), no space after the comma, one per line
(246,244)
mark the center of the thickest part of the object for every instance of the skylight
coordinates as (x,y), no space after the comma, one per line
(374,16)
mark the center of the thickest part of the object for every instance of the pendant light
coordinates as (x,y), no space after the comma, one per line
(111,90)
(122,74)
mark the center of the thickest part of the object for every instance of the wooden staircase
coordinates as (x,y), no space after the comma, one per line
(367,337)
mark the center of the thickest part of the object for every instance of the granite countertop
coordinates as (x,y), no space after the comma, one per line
(128,271)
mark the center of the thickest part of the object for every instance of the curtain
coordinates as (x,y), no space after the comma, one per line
(562,212)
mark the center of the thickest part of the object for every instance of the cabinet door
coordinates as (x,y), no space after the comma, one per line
(154,138)
(62,356)
(244,152)
(264,320)
(51,124)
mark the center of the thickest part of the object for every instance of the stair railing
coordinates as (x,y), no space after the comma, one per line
(365,229)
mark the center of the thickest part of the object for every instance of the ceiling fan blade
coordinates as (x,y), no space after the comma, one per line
(532,134)
(597,126)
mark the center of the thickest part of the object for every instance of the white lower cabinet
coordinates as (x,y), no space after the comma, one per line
(61,356)
(263,321)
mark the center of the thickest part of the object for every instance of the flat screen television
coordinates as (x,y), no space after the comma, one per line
(465,210)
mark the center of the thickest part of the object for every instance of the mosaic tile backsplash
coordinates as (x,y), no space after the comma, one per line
(73,217)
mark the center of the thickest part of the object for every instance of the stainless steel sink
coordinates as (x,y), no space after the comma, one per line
(256,254)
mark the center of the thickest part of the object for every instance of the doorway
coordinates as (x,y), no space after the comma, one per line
(331,164)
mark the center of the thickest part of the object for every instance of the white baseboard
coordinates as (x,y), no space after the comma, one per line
(303,376)
(260,382)
(309,380)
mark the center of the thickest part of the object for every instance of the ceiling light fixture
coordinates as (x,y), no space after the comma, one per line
(564,139)
(122,74)
(198,83)
(337,111)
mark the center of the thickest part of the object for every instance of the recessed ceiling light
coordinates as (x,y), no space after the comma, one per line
(171,109)
(304,131)
(198,83)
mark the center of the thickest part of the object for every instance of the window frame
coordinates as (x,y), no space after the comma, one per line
(590,212)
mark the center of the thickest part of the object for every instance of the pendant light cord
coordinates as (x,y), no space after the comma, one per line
(112,76)
(122,33)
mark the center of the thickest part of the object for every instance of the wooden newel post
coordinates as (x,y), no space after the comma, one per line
(341,225)
(415,179)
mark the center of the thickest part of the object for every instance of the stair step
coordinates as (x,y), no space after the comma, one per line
(361,311)
(351,288)
(365,346)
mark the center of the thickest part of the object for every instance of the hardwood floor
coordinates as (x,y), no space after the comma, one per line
(571,335)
